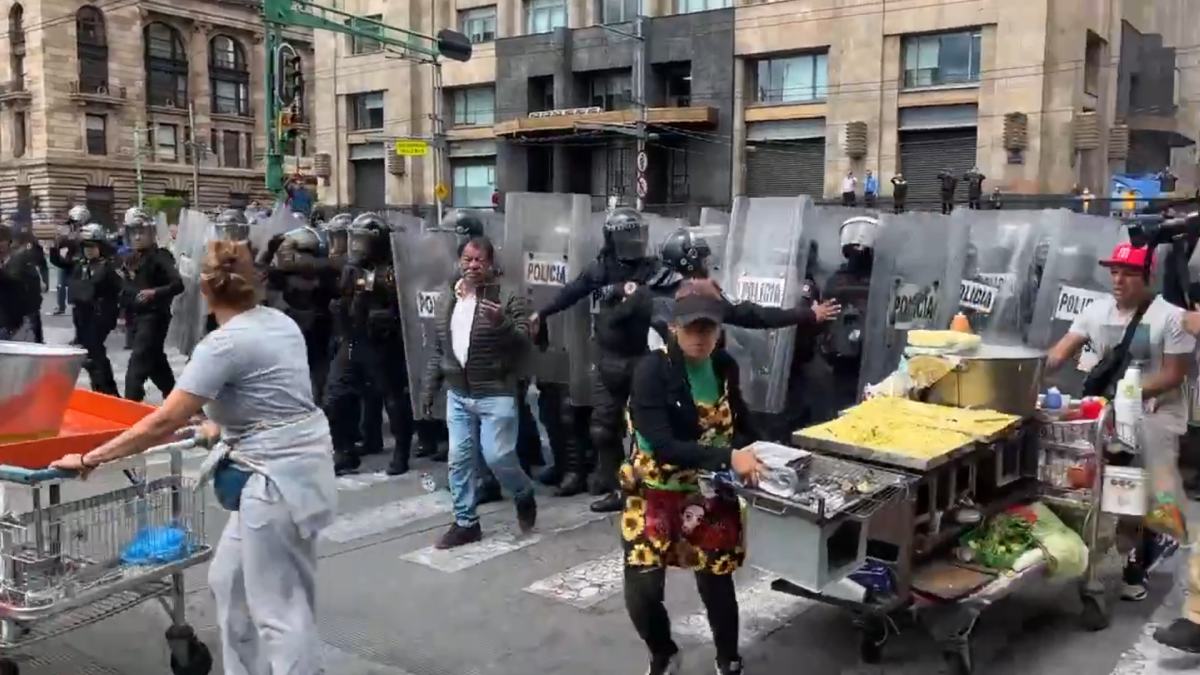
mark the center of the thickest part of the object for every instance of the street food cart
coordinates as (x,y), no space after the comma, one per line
(887,510)
(71,561)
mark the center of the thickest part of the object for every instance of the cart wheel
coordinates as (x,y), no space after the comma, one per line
(871,639)
(199,660)
(960,661)
(9,667)
(1095,615)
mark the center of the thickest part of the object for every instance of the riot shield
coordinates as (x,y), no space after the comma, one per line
(1072,279)
(999,282)
(189,309)
(544,248)
(426,267)
(280,221)
(915,281)
(765,260)
(714,227)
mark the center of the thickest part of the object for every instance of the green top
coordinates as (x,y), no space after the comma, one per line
(706,391)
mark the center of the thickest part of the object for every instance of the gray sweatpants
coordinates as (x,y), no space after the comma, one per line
(264,578)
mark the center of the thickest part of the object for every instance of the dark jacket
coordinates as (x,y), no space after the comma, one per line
(665,414)
(95,287)
(605,270)
(497,354)
(18,275)
(64,262)
(154,270)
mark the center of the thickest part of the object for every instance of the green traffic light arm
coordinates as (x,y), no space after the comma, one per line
(302,13)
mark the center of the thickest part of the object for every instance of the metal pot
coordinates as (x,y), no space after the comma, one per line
(994,377)
(36,383)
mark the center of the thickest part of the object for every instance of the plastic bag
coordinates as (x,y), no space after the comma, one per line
(1067,551)
(1160,449)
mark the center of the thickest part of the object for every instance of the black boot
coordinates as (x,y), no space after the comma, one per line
(611,503)
(1181,634)
(573,483)
(345,462)
(399,464)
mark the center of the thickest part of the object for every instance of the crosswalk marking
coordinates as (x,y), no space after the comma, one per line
(503,539)
(585,585)
(390,516)
(336,660)
(760,608)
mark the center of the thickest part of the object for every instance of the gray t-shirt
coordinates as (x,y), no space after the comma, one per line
(253,369)
(1160,332)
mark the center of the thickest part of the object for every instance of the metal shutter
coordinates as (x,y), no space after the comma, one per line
(369,183)
(786,168)
(923,154)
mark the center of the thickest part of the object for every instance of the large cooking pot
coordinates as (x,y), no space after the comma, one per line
(994,377)
(36,382)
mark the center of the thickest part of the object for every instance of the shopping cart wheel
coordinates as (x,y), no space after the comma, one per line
(9,667)
(189,656)
(1095,615)
(872,636)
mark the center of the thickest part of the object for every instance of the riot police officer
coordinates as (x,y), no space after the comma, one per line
(18,272)
(371,350)
(622,266)
(841,342)
(95,290)
(65,252)
(300,277)
(151,282)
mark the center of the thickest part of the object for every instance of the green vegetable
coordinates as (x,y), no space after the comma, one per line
(1001,540)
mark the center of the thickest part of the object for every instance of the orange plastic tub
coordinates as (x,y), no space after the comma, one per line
(91,420)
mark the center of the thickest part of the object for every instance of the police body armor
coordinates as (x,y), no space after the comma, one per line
(842,341)
(301,273)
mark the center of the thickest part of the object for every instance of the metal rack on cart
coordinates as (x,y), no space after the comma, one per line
(70,564)
(919,522)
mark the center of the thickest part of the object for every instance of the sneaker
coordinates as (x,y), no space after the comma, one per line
(458,535)
(1181,634)
(527,514)
(731,668)
(665,665)
(1134,592)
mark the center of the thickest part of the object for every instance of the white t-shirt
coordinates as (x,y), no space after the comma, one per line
(848,183)
(460,328)
(1160,332)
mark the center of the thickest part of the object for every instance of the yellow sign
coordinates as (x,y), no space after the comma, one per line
(411,148)
(441,192)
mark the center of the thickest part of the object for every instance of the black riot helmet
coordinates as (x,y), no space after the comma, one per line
(93,237)
(232,226)
(338,230)
(686,252)
(368,240)
(140,229)
(466,225)
(306,240)
(625,234)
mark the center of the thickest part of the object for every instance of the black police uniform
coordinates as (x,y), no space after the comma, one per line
(152,269)
(17,272)
(95,288)
(306,283)
(370,356)
(840,344)
(64,255)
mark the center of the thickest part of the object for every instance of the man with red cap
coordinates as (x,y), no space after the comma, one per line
(1162,349)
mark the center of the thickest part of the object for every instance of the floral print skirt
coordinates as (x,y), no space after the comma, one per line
(683,529)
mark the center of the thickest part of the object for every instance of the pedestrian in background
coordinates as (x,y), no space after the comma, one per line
(870,189)
(948,183)
(974,179)
(899,192)
(482,339)
(849,186)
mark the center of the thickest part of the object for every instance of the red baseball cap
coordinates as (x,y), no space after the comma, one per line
(1128,255)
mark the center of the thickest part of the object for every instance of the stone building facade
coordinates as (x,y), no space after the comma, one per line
(89,89)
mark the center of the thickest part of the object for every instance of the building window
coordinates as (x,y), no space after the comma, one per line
(97,134)
(248,150)
(166,67)
(238,200)
(365,45)
(612,90)
(619,11)
(230,77)
(793,78)
(677,174)
(1092,64)
(16,38)
(25,203)
(543,16)
(689,6)
(478,24)
(618,170)
(474,183)
(941,59)
(166,143)
(100,202)
(231,150)
(296,146)
(19,129)
(677,84)
(541,93)
(475,105)
(91,48)
(368,110)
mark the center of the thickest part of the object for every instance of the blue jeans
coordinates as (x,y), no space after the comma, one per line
(493,421)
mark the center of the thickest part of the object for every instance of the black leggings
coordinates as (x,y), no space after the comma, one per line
(644,588)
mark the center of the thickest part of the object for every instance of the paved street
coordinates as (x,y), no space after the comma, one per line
(551,603)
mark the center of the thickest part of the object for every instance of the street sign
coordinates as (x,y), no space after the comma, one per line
(408,147)
(643,162)
(642,187)
(441,192)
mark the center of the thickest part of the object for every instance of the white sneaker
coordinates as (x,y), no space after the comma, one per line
(1134,592)
(734,668)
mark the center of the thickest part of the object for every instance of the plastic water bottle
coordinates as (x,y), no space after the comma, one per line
(1127,406)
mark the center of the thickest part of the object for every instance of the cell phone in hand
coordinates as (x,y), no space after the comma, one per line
(490,292)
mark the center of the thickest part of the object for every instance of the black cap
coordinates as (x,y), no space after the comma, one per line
(693,308)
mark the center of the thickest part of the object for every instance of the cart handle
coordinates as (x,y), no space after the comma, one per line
(17,474)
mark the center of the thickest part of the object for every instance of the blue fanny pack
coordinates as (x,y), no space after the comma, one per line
(228,482)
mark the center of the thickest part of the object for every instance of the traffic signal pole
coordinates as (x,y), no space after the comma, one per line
(281,93)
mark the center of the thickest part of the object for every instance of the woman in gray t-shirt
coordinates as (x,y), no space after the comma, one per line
(251,378)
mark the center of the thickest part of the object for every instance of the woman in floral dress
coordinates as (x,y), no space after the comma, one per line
(686,416)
